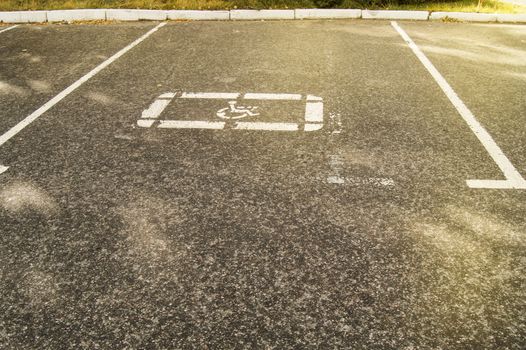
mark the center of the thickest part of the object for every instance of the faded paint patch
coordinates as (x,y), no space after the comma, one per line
(20,197)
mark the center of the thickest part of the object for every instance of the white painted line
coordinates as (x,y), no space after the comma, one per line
(314,112)
(514,180)
(335,179)
(312,127)
(33,116)
(374,181)
(168,95)
(266,126)
(312,98)
(336,165)
(3,169)
(156,108)
(264,96)
(218,95)
(190,124)
(145,123)
(8,28)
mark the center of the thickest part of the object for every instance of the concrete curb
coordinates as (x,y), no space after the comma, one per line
(136,15)
(261,14)
(511,18)
(326,13)
(204,15)
(412,15)
(23,17)
(198,15)
(76,15)
(465,16)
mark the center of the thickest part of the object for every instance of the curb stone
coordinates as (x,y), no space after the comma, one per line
(326,13)
(261,14)
(465,16)
(511,18)
(136,15)
(298,14)
(198,15)
(76,15)
(381,14)
(23,17)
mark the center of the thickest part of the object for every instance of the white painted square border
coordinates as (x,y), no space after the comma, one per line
(313,112)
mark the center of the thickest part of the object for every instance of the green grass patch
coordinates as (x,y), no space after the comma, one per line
(487,6)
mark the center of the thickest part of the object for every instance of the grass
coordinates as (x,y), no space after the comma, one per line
(488,6)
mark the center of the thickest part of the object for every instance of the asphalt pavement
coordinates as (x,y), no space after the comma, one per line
(270,184)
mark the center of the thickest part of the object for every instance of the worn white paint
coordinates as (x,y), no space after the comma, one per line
(8,28)
(211,95)
(266,126)
(313,112)
(514,179)
(36,114)
(263,96)
(234,111)
(335,120)
(3,169)
(372,181)
(156,108)
(190,124)
(336,168)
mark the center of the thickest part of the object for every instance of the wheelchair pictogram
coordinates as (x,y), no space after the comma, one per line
(236,112)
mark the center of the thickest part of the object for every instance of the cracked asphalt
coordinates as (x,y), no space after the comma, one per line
(117,236)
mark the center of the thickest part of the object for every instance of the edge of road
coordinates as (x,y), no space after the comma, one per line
(16,17)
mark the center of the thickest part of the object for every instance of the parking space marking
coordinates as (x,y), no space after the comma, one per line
(514,179)
(48,105)
(8,28)
(313,119)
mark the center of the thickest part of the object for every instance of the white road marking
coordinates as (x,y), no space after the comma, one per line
(218,95)
(3,169)
(190,124)
(374,181)
(5,30)
(36,114)
(156,108)
(335,120)
(313,112)
(336,165)
(262,96)
(514,179)
(266,126)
